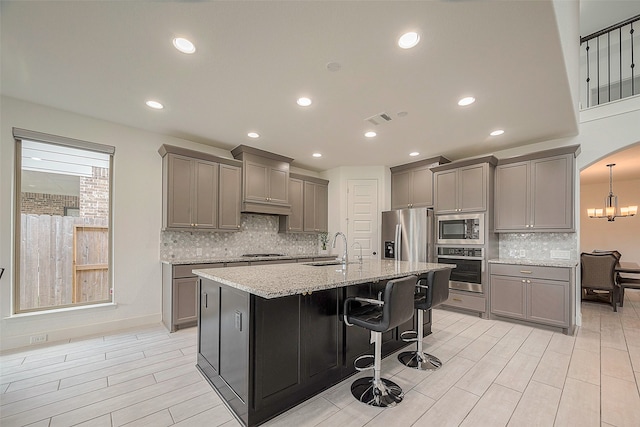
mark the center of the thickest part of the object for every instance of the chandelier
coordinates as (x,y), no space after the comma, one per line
(611,211)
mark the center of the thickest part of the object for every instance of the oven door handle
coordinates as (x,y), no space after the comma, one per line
(470,258)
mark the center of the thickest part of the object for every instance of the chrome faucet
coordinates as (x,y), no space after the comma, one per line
(344,242)
(360,248)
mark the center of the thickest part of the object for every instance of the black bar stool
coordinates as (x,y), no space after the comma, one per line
(433,290)
(378,316)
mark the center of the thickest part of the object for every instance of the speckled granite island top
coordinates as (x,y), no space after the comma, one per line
(273,281)
(537,262)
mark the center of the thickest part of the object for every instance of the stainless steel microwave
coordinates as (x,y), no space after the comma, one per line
(460,229)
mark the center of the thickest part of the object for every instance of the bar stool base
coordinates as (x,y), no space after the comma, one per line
(421,361)
(384,395)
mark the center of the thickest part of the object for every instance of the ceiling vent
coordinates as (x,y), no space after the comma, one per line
(379,119)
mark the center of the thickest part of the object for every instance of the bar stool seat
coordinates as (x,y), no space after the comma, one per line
(433,289)
(379,316)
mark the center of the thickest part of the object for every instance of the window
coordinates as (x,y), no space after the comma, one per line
(63,222)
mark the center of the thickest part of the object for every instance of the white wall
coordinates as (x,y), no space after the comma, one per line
(137,204)
(621,234)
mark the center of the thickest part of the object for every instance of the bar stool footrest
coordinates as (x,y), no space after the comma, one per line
(421,361)
(364,368)
(409,336)
(384,394)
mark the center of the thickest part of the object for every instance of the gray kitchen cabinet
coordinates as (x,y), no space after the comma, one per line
(185,300)
(265,184)
(200,191)
(535,192)
(316,206)
(463,186)
(309,198)
(466,301)
(192,187)
(536,294)
(230,199)
(180,294)
(412,183)
(293,223)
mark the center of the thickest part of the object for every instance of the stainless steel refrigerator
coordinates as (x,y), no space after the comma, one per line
(408,235)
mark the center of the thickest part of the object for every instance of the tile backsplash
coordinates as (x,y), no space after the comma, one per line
(539,246)
(258,234)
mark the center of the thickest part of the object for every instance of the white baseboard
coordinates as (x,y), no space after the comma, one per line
(80,331)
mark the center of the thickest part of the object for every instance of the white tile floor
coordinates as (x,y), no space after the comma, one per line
(495,374)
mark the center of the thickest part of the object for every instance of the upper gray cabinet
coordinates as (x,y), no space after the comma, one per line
(230,197)
(200,191)
(316,205)
(265,184)
(309,205)
(412,184)
(535,192)
(464,186)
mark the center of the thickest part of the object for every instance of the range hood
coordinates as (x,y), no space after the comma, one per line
(265,181)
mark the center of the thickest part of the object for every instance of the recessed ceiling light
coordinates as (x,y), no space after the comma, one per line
(466,101)
(408,40)
(155,105)
(415,153)
(370,134)
(184,45)
(497,132)
(304,102)
(253,135)
(317,155)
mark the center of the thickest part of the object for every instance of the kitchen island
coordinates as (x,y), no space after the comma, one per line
(269,338)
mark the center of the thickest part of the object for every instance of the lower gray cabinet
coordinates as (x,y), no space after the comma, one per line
(532,293)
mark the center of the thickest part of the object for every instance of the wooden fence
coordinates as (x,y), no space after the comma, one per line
(63,260)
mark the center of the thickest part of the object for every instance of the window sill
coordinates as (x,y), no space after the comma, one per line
(104,306)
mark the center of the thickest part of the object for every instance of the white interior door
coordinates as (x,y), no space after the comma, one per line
(362,217)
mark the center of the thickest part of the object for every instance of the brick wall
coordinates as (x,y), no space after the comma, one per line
(93,201)
(94,194)
(47,204)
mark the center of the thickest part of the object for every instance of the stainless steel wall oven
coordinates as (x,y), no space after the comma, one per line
(470,265)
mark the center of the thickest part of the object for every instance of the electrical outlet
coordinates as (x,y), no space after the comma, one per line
(198,251)
(523,253)
(558,254)
(37,339)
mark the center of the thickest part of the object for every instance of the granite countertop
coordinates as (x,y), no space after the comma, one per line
(186,261)
(538,262)
(278,280)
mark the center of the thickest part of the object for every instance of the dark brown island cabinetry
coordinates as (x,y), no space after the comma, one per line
(538,294)
(412,183)
(535,192)
(464,186)
(200,191)
(265,183)
(264,356)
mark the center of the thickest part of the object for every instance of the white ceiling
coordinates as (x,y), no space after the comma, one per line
(105,59)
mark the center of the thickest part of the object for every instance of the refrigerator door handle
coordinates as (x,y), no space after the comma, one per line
(398,256)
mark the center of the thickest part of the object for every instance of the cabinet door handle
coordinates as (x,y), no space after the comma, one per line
(528,281)
(456,299)
(523,281)
(206,300)
(525,271)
